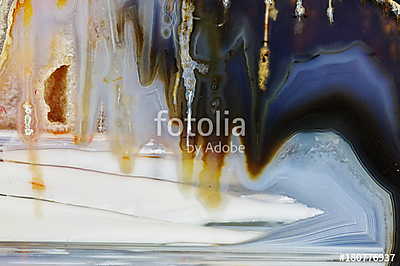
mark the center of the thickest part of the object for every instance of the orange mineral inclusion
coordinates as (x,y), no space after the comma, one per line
(61,3)
(28,11)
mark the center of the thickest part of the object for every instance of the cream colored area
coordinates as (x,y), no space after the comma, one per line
(63,223)
(158,198)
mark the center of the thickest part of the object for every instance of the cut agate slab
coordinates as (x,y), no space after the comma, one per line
(185,126)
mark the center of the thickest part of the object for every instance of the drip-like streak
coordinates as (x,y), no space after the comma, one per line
(329,11)
(187,63)
(29,127)
(87,60)
(299,11)
(122,129)
(263,71)
(28,12)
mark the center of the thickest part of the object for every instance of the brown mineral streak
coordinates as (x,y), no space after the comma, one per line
(125,163)
(209,180)
(37,174)
(83,137)
(55,95)
(28,11)
(263,72)
(26,60)
(37,181)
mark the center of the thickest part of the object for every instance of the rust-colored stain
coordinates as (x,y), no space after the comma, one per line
(60,132)
(61,3)
(77,140)
(125,164)
(37,181)
(26,6)
(23,251)
(82,140)
(123,152)
(55,95)
(152,156)
(126,157)
(38,185)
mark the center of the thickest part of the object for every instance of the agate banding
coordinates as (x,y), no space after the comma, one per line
(82,77)
(90,77)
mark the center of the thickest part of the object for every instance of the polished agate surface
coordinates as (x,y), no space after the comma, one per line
(245,127)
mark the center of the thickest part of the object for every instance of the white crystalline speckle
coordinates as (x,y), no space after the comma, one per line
(152,148)
(226,3)
(187,63)
(321,144)
(270,198)
(281,202)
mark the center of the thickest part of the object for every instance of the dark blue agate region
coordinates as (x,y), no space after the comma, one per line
(342,77)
